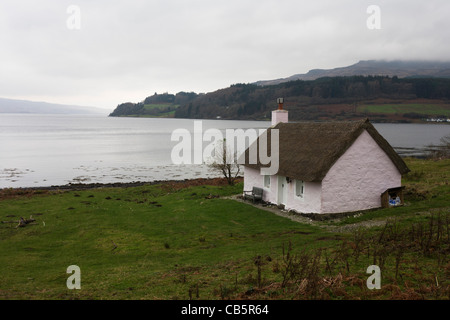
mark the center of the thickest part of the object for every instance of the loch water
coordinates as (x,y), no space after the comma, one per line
(44,150)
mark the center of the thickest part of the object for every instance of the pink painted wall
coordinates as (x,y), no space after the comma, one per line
(357,180)
(311,201)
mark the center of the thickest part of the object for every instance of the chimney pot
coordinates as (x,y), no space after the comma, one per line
(280,102)
(279,115)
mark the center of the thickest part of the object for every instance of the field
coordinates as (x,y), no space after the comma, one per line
(161,110)
(406,108)
(192,241)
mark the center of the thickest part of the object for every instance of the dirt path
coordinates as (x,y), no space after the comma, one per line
(349,228)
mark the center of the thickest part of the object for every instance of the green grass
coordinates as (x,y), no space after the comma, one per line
(160,106)
(164,242)
(162,110)
(428,109)
(154,244)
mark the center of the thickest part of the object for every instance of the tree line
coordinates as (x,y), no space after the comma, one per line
(251,101)
(166,102)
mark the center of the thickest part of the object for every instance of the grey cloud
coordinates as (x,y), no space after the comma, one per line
(126,50)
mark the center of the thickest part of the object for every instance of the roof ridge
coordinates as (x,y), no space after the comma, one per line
(309,149)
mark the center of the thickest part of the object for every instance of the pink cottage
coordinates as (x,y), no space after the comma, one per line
(327,167)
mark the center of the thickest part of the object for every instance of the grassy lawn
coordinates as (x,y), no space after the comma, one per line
(163,110)
(160,235)
(428,109)
(168,242)
(159,106)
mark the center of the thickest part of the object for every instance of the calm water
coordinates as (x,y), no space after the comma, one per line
(44,150)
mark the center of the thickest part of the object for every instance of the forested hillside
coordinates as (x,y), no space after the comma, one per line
(158,105)
(324,98)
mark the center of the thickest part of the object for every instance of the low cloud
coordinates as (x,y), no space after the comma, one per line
(127,50)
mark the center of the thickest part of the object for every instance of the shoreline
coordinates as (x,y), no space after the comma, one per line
(376,120)
(98,185)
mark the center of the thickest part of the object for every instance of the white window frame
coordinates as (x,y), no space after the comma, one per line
(267,185)
(301,194)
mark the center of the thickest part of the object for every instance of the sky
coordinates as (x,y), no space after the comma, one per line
(102,53)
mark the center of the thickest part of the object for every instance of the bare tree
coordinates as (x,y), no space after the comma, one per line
(225,161)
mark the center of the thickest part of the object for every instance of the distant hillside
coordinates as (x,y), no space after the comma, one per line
(394,91)
(159,105)
(381,98)
(328,98)
(401,69)
(23,106)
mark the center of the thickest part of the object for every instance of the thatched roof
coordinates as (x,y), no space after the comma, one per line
(308,150)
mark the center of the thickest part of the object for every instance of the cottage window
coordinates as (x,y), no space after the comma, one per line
(266,181)
(299,188)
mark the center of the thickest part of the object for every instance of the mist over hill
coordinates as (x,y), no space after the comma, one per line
(398,68)
(33,107)
(384,90)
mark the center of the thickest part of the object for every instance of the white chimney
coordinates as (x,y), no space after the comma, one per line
(279,115)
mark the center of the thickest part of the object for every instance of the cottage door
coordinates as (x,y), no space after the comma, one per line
(282,190)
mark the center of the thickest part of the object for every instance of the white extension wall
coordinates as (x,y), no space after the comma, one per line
(357,180)
(310,203)
(253,178)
